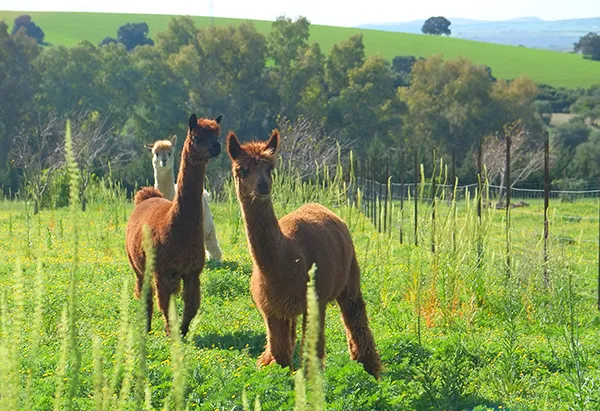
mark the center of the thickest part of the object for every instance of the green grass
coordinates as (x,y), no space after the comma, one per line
(557,69)
(452,334)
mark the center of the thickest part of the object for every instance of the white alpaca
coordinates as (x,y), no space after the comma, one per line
(163,162)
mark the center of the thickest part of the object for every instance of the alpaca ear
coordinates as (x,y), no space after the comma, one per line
(149,146)
(219,118)
(193,123)
(173,140)
(233,146)
(273,143)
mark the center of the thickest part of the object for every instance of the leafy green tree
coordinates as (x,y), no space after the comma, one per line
(347,55)
(515,100)
(368,110)
(69,79)
(589,46)
(117,83)
(449,104)
(588,105)
(108,40)
(233,77)
(402,67)
(29,27)
(160,110)
(436,26)
(132,35)
(19,81)
(287,40)
(565,140)
(181,31)
(586,161)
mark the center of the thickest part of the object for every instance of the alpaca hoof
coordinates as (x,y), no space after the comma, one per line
(373,368)
(216,257)
(265,359)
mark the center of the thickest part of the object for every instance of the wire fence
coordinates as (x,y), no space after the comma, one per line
(427,191)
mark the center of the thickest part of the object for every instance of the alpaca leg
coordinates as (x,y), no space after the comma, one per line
(163,294)
(191,299)
(354,315)
(279,347)
(321,341)
(211,244)
(139,284)
(360,339)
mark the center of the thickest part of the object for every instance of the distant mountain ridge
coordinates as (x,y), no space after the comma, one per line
(532,32)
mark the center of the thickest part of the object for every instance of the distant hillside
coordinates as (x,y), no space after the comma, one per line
(527,31)
(542,66)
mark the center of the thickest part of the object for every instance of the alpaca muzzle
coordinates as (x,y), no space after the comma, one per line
(215,149)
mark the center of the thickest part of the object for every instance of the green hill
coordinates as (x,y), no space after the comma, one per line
(554,68)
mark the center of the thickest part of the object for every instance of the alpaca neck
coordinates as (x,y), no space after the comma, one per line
(163,180)
(265,238)
(187,206)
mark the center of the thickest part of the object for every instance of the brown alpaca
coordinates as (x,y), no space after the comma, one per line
(282,253)
(177,231)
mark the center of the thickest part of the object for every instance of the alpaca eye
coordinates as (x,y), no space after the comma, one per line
(270,169)
(244,172)
(169,154)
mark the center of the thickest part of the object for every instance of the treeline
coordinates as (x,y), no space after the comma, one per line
(126,96)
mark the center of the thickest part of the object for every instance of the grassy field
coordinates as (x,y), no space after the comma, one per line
(557,69)
(453,333)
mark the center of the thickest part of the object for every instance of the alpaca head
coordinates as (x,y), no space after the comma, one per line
(202,142)
(163,159)
(252,165)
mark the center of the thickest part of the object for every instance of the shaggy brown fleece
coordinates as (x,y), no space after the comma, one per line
(282,253)
(177,232)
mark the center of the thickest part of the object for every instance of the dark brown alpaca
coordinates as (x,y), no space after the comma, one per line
(177,231)
(283,251)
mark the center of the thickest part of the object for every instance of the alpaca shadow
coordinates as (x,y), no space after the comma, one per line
(230,264)
(410,359)
(252,342)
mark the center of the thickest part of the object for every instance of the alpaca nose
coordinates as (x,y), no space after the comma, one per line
(263,187)
(215,149)
(163,163)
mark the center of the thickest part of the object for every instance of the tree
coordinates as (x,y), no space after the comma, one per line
(70,79)
(38,153)
(96,148)
(436,26)
(589,46)
(108,40)
(565,140)
(18,84)
(132,35)
(588,105)
(29,27)
(180,32)
(586,162)
(526,156)
(449,104)
(402,67)
(307,146)
(287,39)
(368,109)
(345,56)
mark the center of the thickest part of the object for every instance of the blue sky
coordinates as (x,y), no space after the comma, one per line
(331,12)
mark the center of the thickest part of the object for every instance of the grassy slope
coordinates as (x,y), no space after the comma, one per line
(558,69)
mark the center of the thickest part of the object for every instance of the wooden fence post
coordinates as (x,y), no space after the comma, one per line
(401,198)
(546,204)
(416,198)
(433,192)
(479,202)
(385,206)
(507,184)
